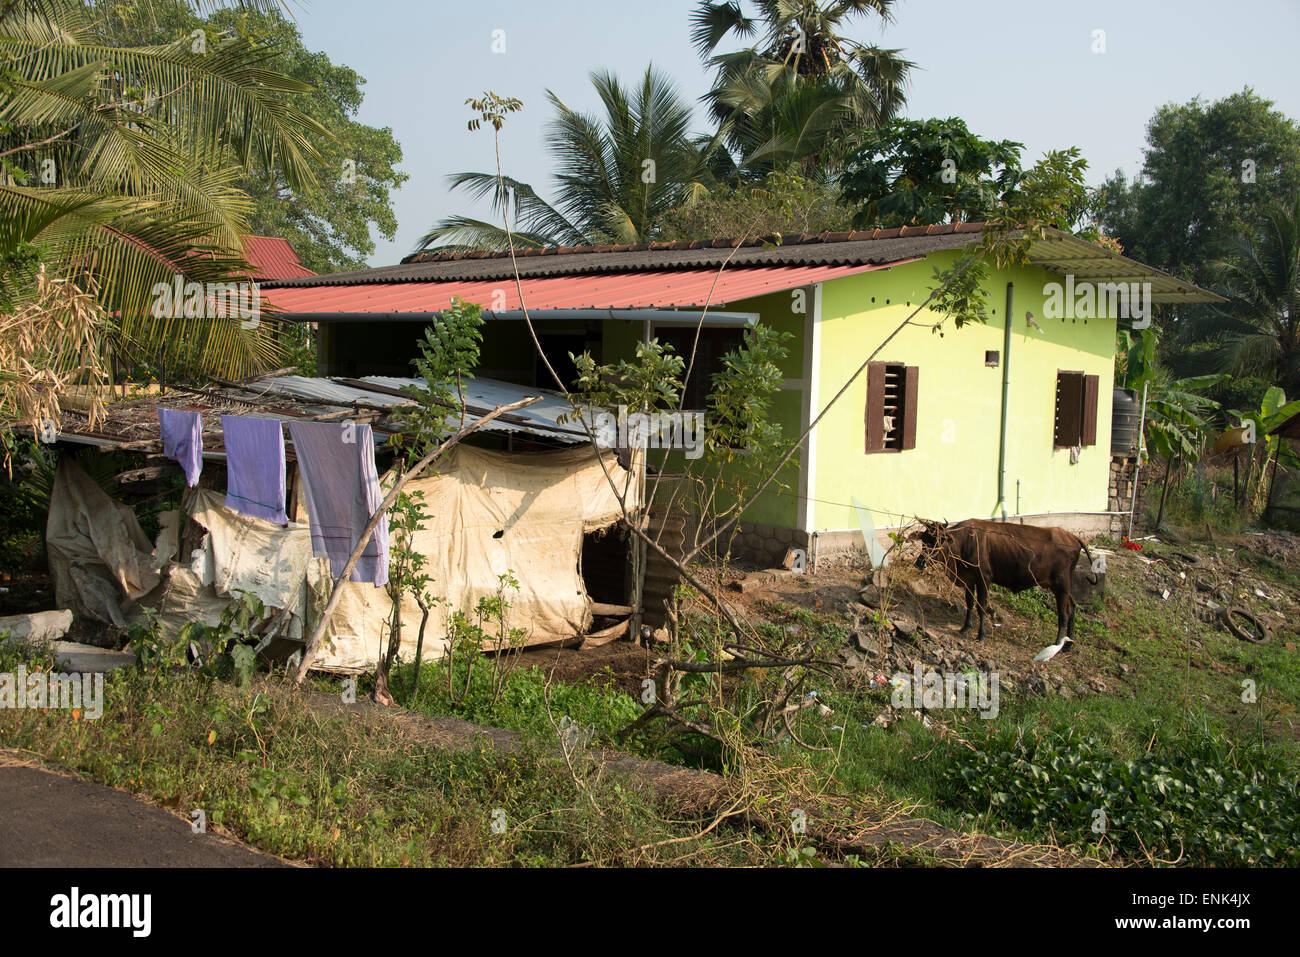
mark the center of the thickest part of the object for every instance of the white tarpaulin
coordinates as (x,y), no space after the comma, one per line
(493,512)
(100,559)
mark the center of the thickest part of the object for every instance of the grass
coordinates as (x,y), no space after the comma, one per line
(343,791)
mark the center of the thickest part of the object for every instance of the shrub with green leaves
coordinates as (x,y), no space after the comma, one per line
(1196,799)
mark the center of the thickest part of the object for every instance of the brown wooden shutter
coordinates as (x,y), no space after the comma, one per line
(875,414)
(1089,410)
(910,376)
(1069,408)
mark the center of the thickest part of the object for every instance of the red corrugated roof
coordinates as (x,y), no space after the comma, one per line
(629,290)
(273,258)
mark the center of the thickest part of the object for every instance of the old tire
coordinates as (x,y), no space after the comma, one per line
(1232,617)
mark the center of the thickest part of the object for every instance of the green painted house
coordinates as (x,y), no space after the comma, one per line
(992,420)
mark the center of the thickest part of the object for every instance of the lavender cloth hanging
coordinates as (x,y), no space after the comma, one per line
(254,467)
(340,488)
(182,440)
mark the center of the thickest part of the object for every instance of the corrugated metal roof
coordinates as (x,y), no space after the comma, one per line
(829,249)
(1065,254)
(481,396)
(273,258)
(483,272)
(767,242)
(134,424)
(634,290)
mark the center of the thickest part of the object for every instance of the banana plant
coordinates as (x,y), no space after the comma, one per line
(1178,417)
(1273,410)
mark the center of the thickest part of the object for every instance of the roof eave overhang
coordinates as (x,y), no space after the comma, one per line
(710,317)
(1069,255)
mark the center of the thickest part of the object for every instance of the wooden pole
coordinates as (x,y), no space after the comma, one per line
(336,593)
(1137,463)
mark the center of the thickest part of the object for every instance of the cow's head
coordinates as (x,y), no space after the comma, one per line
(932,535)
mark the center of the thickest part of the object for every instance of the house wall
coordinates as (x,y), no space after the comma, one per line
(953,471)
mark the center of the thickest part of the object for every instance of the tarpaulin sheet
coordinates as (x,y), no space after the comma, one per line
(100,559)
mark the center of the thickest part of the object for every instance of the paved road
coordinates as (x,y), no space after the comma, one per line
(47,820)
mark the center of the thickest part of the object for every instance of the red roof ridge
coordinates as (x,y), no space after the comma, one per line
(273,257)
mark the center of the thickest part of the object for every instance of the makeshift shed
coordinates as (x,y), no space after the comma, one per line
(492,511)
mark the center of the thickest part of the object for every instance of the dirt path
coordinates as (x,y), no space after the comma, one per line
(49,820)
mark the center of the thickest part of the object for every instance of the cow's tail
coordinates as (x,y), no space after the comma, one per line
(1091,569)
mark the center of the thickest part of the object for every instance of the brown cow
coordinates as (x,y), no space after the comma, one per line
(977,553)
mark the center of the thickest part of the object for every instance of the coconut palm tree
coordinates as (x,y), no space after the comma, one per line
(120,167)
(617,174)
(1258,329)
(776,120)
(798,42)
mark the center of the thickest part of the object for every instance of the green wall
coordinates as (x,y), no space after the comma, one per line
(952,472)
(779,506)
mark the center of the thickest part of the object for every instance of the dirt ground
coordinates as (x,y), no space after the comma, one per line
(623,664)
(924,612)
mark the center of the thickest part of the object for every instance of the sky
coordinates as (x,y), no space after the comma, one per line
(1024,70)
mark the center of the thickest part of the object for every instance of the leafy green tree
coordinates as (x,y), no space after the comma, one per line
(617,174)
(449,351)
(1209,173)
(1050,194)
(820,84)
(928,171)
(742,442)
(1179,416)
(784,202)
(776,118)
(329,225)
(1273,410)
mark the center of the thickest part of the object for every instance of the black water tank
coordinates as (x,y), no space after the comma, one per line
(1125,421)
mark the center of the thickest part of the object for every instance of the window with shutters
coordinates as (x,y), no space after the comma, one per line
(1076,410)
(891,407)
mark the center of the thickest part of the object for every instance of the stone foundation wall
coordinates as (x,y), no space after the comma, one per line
(766,545)
(1119,494)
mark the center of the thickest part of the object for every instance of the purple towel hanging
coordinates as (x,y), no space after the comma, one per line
(340,487)
(182,440)
(254,467)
